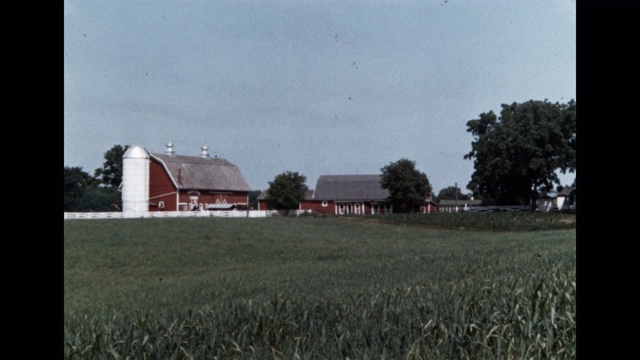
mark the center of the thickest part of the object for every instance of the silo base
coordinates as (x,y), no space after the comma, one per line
(135,210)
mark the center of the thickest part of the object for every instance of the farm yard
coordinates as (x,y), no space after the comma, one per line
(441,286)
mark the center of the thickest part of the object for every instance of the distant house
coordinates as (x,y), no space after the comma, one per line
(348,194)
(566,198)
(458,205)
(557,201)
(429,206)
(179,183)
(547,202)
(351,194)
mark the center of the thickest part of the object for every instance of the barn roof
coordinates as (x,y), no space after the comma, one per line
(350,188)
(196,172)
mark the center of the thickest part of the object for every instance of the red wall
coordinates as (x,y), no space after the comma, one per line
(316,207)
(160,184)
(331,208)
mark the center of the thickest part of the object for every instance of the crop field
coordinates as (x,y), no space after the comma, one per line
(501,286)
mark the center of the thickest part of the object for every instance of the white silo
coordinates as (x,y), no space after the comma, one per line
(135,182)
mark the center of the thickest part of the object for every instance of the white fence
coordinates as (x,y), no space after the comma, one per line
(173,214)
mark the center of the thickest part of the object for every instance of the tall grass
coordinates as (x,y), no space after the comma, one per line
(315,288)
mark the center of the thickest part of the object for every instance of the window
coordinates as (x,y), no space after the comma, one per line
(341,209)
(325,204)
(357,209)
(388,209)
(375,209)
(161,204)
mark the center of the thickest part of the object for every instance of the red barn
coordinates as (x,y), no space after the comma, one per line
(179,183)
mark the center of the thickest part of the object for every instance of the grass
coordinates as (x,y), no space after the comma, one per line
(315,287)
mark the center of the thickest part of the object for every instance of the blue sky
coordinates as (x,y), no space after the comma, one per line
(317,87)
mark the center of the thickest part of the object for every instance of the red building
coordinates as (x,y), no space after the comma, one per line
(348,194)
(352,194)
(179,183)
(306,204)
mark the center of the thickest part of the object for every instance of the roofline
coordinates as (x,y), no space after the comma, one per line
(175,183)
(166,170)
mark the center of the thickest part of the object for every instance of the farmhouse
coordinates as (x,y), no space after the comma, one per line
(557,201)
(170,182)
(348,194)
(356,194)
(352,194)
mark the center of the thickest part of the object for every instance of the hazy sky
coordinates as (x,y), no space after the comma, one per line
(317,87)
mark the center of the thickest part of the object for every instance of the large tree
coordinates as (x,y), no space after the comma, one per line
(452,193)
(110,174)
(407,186)
(286,191)
(519,153)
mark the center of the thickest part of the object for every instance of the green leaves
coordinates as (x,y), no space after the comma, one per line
(519,152)
(110,174)
(407,186)
(286,191)
(419,293)
(75,183)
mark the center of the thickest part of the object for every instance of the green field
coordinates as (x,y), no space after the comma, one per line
(485,286)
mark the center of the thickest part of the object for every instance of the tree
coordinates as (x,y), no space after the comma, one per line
(286,191)
(75,182)
(452,193)
(519,153)
(110,175)
(97,199)
(407,186)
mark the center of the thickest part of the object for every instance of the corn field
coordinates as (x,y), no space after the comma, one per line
(453,296)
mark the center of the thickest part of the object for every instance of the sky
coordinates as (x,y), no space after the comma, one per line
(314,87)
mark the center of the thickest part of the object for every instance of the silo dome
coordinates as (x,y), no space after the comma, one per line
(135,181)
(136,152)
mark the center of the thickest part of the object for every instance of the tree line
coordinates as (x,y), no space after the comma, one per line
(84,192)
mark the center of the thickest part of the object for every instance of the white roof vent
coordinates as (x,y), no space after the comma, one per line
(205,152)
(169,150)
